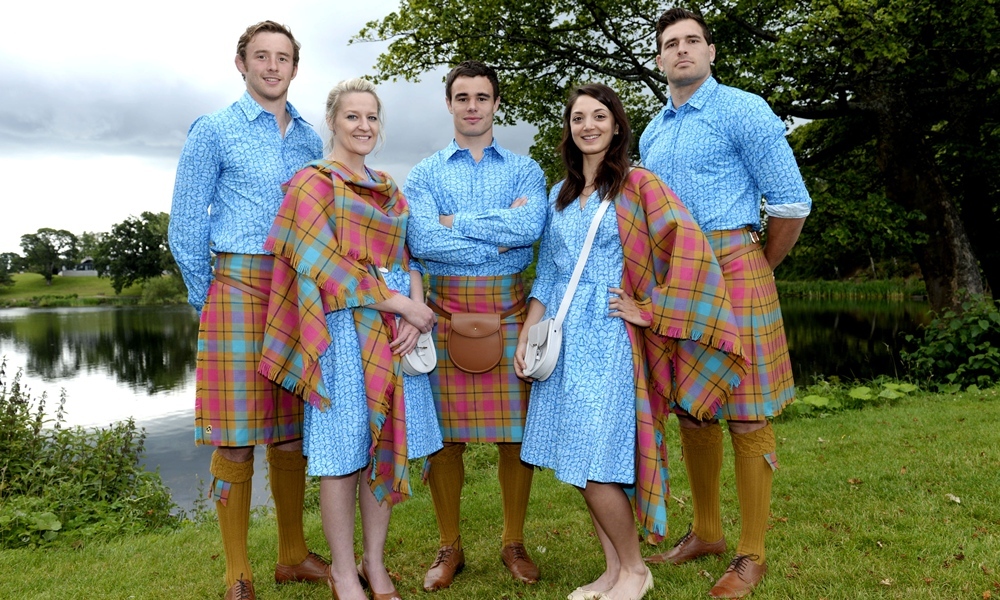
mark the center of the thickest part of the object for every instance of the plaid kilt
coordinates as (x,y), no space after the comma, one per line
(488,407)
(768,387)
(234,404)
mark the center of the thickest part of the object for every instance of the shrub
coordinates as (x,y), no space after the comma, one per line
(168,289)
(958,350)
(66,484)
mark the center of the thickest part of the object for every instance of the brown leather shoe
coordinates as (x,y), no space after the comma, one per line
(689,547)
(241,590)
(450,560)
(520,565)
(740,578)
(314,568)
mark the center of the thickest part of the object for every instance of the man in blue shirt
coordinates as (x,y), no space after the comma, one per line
(722,150)
(226,195)
(475,211)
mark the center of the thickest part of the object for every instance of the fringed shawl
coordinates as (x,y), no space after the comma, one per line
(332,233)
(672,274)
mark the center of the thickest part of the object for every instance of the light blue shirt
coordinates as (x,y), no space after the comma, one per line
(451,182)
(722,151)
(228,186)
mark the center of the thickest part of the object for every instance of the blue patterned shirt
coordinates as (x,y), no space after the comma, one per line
(720,152)
(228,186)
(451,182)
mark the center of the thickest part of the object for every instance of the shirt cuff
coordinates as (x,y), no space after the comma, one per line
(794,210)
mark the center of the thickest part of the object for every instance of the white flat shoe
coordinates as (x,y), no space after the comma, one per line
(582,594)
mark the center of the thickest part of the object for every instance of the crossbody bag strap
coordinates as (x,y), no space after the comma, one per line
(580,262)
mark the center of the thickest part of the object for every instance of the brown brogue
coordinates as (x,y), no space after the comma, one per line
(450,560)
(314,568)
(740,578)
(689,547)
(520,565)
(241,590)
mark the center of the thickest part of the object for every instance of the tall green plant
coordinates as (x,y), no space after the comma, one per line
(959,349)
(66,484)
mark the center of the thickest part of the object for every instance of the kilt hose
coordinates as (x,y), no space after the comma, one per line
(485,407)
(768,387)
(235,405)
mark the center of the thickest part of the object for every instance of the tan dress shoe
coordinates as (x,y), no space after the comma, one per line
(740,578)
(314,568)
(241,590)
(688,548)
(450,560)
(515,558)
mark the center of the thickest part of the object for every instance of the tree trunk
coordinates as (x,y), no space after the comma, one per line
(912,179)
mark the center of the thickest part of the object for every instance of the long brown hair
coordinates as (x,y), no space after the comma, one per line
(613,170)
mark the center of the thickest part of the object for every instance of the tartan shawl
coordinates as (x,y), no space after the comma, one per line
(673,276)
(332,233)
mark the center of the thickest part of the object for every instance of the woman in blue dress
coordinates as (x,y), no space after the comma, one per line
(582,420)
(340,238)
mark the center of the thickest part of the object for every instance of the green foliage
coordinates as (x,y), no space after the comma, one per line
(826,397)
(134,251)
(166,289)
(48,251)
(6,280)
(883,289)
(65,485)
(959,349)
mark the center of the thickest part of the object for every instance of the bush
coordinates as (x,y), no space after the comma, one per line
(958,350)
(63,485)
(168,289)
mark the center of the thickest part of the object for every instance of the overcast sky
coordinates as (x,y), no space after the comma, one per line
(98,97)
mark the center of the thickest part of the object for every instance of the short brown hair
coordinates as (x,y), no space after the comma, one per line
(676,14)
(266,27)
(472,68)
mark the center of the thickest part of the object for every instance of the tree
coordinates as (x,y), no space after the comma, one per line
(135,250)
(88,243)
(12,262)
(48,251)
(918,77)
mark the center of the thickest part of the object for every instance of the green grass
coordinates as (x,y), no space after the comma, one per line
(888,289)
(864,506)
(30,289)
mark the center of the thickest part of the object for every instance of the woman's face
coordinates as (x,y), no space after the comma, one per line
(591,125)
(355,126)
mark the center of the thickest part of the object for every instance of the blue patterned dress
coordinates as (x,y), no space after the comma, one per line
(337,440)
(581,420)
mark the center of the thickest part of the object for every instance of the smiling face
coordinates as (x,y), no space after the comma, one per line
(472,106)
(268,67)
(685,57)
(355,127)
(592,126)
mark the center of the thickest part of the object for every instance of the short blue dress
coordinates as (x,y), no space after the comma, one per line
(581,420)
(337,440)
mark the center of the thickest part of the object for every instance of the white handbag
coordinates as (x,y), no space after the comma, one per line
(545,337)
(423,358)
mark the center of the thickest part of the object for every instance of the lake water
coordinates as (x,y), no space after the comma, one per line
(116,363)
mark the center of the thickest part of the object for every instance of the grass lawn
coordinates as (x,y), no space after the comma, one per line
(888,502)
(32,285)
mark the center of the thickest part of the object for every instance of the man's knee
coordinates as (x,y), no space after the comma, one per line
(451,452)
(689,422)
(239,454)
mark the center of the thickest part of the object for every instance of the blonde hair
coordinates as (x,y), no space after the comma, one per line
(353,86)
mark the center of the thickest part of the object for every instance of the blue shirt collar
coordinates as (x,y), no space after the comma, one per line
(453,148)
(252,109)
(700,97)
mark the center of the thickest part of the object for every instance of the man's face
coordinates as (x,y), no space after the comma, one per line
(684,56)
(472,106)
(268,66)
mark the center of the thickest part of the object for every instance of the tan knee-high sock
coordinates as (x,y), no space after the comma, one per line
(702,450)
(515,487)
(445,479)
(234,514)
(287,471)
(755,460)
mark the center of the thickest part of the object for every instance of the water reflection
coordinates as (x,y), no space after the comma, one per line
(849,339)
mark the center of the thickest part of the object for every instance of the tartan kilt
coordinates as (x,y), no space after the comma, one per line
(235,405)
(768,387)
(491,406)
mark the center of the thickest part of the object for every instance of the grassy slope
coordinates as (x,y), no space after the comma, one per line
(861,510)
(29,285)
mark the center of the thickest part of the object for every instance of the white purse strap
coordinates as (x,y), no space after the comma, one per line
(580,262)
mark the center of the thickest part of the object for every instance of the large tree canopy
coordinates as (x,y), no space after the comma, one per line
(916,81)
(48,251)
(134,250)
